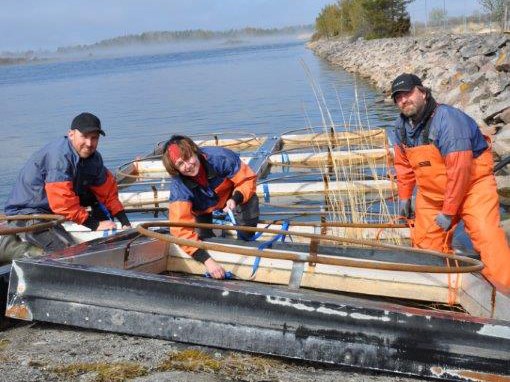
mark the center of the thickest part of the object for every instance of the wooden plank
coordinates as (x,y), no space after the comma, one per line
(502,305)
(303,188)
(155,167)
(367,156)
(82,234)
(410,285)
(384,187)
(235,144)
(341,138)
(475,295)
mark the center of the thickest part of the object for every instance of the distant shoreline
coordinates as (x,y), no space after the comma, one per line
(151,39)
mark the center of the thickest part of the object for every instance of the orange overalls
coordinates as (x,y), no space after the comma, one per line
(479,209)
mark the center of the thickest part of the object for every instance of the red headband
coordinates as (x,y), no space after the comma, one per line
(174,152)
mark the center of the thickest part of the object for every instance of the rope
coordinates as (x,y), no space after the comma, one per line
(452,289)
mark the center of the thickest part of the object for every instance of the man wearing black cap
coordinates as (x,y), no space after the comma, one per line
(442,151)
(63,178)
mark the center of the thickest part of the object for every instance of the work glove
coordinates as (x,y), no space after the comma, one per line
(405,209)
(444,221)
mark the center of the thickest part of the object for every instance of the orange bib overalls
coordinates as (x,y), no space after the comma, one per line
(479,209)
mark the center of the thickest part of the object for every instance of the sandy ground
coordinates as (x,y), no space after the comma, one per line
(44,352)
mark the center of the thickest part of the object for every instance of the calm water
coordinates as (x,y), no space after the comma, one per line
(142,99)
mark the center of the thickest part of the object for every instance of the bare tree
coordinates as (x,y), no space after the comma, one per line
(437,16)
(496,8)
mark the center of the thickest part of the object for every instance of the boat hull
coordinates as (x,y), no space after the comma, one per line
(85,288)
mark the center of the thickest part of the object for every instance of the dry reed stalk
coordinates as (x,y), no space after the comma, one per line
(353,205)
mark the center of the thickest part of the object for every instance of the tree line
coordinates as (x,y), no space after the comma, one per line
(185,35)
(388,18)
(364,18)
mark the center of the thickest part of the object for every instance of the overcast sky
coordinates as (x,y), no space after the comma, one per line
(48,24)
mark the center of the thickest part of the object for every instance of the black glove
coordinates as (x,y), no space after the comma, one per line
(201,255)
(123,219)
(405,209)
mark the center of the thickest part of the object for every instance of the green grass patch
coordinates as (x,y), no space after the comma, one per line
(190,360)
(3,344)
(115,372)
(232,366)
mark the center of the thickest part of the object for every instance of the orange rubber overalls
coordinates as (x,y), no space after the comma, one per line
(479,209)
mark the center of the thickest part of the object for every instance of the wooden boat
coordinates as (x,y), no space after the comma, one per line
(325,297)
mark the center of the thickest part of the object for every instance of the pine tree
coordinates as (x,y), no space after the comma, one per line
(366,18)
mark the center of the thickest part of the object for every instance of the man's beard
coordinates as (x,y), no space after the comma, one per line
(410,111)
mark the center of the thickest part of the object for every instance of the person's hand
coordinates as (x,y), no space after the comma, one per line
(444,221)
(214,269)
(230,205)
(405,209)
(105,225)
(126,227)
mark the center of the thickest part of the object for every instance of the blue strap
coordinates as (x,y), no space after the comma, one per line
(231,216)
(108,232)
(105,211)
(269,244)
(220,218)
(265,188)
(285,160)
(228,275)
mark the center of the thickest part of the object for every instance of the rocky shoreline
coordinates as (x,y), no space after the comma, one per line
(469,71)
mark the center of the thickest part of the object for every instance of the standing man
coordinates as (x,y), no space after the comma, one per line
(63,178)
(442,151)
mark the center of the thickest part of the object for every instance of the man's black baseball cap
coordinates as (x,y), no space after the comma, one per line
(404,83)
(87,123)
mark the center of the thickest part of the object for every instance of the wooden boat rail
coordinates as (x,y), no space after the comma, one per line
(474,265)
(51,221)
(221,139)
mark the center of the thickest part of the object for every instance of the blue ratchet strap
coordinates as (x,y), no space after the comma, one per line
(105,211)
(228,275)
(285,160)
(265,188)
(216,220)
(269,244)
(231,216)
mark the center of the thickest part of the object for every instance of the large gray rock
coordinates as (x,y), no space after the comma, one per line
(503,61)
(478,94)
(501,142)
(495,109)
(503,184)
(494,43)
(504,116)
(499,83)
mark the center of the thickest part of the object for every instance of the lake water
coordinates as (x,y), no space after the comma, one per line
(257,87)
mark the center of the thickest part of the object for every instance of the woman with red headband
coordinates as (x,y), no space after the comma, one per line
(203,180)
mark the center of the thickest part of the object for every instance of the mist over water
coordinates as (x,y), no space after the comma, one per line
(143,97)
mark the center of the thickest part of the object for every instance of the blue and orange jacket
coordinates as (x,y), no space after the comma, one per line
(459,140)
(54,177)
(226,173)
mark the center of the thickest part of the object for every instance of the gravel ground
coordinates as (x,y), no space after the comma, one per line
(44,352)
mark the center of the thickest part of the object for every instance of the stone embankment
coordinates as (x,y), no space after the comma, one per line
(469,71)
